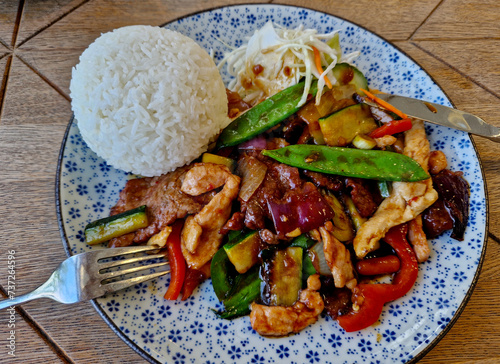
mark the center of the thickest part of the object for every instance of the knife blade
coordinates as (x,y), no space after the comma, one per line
(443,115)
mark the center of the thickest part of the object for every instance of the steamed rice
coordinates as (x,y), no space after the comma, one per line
(147,99)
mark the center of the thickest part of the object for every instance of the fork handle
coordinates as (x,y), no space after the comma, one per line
(37,293)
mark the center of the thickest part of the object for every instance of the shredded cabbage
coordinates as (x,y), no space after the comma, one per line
(275,58)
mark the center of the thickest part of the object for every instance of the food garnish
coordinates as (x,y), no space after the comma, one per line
(285,56)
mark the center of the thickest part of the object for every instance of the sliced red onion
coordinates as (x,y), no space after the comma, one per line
(303,208)
(257,143)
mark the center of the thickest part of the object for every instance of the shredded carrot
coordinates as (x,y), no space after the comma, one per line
(386,105)
(317,61)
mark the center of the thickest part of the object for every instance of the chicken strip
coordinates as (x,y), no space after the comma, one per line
(418,239)
(281,321)
(339,260)
(407,199)
(200,236)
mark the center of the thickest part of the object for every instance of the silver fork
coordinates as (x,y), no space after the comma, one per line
(80,277)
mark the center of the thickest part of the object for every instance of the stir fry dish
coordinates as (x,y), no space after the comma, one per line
(309,202)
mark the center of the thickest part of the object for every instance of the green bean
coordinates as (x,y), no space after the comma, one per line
(350,162)
(264,116)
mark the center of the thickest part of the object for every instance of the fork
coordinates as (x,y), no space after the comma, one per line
(81,277)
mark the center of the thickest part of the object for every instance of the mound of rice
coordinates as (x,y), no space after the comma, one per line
(147,99)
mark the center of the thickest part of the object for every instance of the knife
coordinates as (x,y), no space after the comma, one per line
(443,115)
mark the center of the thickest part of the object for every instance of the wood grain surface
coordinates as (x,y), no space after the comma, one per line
(456,41)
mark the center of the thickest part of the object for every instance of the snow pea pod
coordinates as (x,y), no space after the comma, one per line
(350,162)
(264,116)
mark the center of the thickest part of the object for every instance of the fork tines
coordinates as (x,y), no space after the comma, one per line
(109,277)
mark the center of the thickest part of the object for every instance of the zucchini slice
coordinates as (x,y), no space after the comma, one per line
(110,227)
(308,268)
(350,75)
(340,128)
(357,219)
(244,252)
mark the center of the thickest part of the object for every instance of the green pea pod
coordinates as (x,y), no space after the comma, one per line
(350,162)
(264,116)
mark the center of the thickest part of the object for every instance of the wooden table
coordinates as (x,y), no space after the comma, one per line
(456,41)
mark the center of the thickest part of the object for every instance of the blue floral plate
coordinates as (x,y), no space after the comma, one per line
(189,332)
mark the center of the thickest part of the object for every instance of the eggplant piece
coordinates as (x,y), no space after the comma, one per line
(455,192)
(282,277)
(337,300)
(436,219)
(342,224)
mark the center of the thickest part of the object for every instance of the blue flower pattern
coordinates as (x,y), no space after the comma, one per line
(89,187)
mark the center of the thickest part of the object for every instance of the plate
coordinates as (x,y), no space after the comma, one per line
(189,332)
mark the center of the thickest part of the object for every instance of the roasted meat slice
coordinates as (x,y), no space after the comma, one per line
(164,200)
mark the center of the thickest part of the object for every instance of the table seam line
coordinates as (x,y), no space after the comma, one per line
(477,83)
(17,23)
(54,21)
(425,20)
(58,350)
(3,84)
(44,78)
(493,237)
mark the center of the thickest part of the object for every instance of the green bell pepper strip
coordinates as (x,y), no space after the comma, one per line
(350,162)
(304,241)
(246,292)
(264,116)
(236,291)
(224,276)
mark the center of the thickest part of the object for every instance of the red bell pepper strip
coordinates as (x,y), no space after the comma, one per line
(193,279)
(406,277)
(371,297)
(392,127)
(377,266)
(370,307)
(177,261)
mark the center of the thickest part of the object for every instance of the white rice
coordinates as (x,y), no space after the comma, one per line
(147,99)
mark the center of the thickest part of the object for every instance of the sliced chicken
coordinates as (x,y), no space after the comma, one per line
(201,237)
(407,199)
(418,239)
(339,260)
